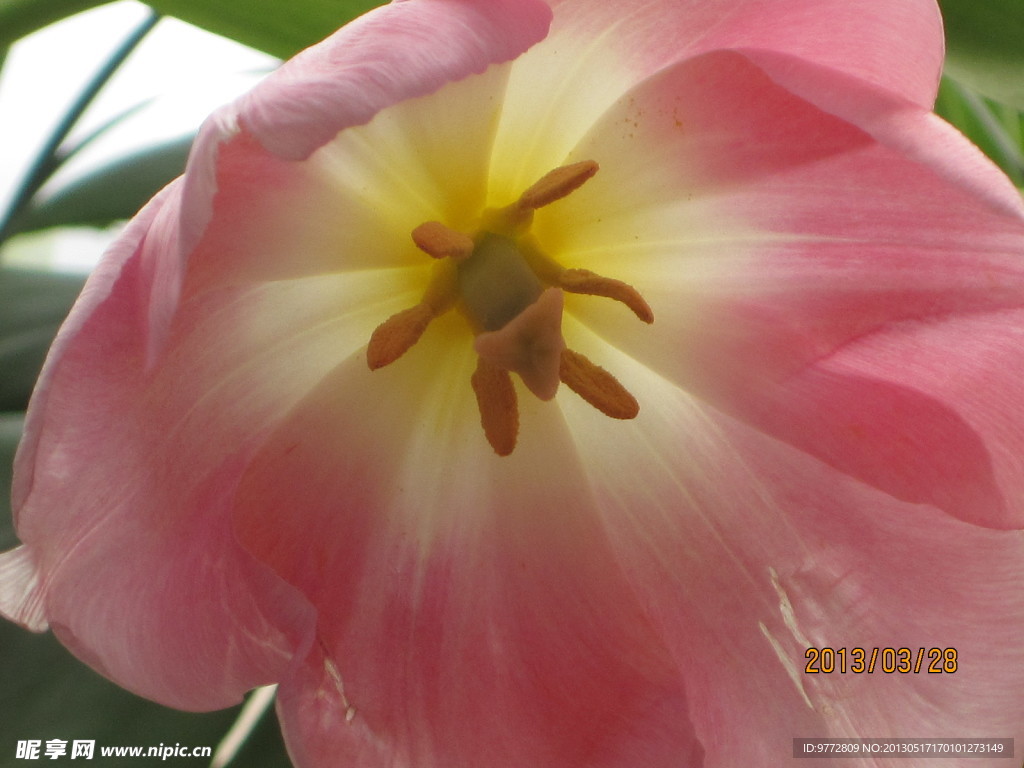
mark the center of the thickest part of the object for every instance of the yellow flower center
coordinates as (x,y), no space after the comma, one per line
(511,294)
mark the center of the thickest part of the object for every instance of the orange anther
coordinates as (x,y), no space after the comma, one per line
(438,241)
(499,409)
(397,334)
(587,282)
(598,387)
(556,184)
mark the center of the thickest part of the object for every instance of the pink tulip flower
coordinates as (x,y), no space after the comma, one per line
(533,384)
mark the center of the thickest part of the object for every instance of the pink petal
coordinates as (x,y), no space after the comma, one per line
(973,367)
(139,470)
(97,289)
(747,552)
(767,234)
(351,206)
(597,51)
(388,56)
(225,301)
(467,616)
(893,123)
(898,47)
(391,54)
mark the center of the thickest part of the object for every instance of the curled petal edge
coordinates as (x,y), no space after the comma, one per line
(97,288)
(21,593)
(399,51)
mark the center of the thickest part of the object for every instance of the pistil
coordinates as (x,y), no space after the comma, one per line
(530,345)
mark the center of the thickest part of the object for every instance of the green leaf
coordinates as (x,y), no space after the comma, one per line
(111,193)
(22,17)
(985,46)
(50,156)
(32,307)
(10,432)
(49,694)
(995,128)
(279,28)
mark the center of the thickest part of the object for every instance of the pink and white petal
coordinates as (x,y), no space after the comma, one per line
(391,55)
(396,52)
(597,51)
(766,234)
(353,204)
(215,330)
(177,439)
(898,48)
(468,616)
(244,215)
(748,552)
(773,219)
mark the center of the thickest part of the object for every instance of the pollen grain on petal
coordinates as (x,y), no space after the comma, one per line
(586,282)
(598,387)
(439,241)
(396,335)
(499,409)
(558,183)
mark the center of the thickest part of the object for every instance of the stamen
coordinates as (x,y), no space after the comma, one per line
(394,337)
(499,410)
(511,294)
(438,241)
(598,387)
(556,184)
(589,283)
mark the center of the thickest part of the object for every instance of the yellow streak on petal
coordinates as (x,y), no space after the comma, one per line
(598,387)
(499,411)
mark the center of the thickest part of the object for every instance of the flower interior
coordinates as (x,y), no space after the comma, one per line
(511,294)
